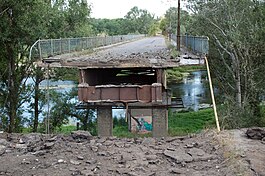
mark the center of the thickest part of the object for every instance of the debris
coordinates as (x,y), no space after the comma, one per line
(255,133)
(75,162)
(178,155)
(81,135)
(48,145)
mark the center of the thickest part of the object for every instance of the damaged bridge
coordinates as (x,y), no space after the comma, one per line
(129,75)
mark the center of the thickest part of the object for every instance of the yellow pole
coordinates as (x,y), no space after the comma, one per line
(212,95)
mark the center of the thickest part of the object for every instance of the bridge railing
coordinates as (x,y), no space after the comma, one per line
(197,44)
(52,47)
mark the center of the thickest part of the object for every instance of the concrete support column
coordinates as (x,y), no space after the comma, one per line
(160,122)
(105,123)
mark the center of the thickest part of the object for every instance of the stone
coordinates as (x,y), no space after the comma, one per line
(52,139)
(87,173)
(91,161)
(39,153)
(48,145)
(255,133)
(20,146)
(148,141)
(151,157)
(80,157)
(24,161)
(196,152)
(108,143)
(94,148)
(81,135)
(21,141)
(157,161)
(178,155)
(189,145)
(119,144)
(60,161)
(171,149)
(2,149)
(177,171)
(132,174)
(75,162)
(200,155)
(101,140)
(102,153)
(123,171)
(3,142)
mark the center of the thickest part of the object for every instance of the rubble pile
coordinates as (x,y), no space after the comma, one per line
(82,154)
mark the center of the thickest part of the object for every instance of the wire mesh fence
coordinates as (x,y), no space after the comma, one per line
(52,47)
(197,44)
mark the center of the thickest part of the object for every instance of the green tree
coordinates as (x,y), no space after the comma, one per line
(138,20)
(17,35)
(169,22)
(235,28)
(21,24)
(63,108)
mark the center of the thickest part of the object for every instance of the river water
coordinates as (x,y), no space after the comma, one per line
(194,90)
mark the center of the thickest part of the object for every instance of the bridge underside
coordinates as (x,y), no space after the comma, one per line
(131,89)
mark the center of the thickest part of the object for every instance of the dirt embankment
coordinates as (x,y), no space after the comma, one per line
(82,154)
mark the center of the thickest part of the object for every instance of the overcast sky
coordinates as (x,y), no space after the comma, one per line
(119,8)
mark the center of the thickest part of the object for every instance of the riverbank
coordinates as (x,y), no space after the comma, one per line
(177,74)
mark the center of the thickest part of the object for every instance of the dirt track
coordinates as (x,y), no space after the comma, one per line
(82,154)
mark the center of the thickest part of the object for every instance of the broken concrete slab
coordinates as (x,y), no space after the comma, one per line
(178,155)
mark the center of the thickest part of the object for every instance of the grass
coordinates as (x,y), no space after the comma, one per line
(190,122)
(122,131)
(66,129)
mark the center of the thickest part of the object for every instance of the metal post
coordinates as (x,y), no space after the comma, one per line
(212,95)
(39,49)
(48,101)
(51,48)
(69,45)
(178,28)
(61,46)
(186,40)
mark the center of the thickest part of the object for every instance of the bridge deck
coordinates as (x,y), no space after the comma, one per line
(149,52)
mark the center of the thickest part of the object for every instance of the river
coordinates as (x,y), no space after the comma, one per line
(194,90)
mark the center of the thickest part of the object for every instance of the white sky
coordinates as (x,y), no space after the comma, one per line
(119,8)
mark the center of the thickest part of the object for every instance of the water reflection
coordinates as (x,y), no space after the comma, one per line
(193,90)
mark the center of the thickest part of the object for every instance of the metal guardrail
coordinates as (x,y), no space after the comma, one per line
(51,47)
(197,44)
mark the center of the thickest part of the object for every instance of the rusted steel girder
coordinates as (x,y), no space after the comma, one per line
(121,93)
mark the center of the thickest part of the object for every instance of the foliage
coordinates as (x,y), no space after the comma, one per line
(71,74)
(17,35)
(63,107)
(21,24)
(138,20)
(235,28)
(168,24)
(109,26)
(65,129)
(154,29)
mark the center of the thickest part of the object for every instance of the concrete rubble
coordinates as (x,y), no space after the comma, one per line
(82,154)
